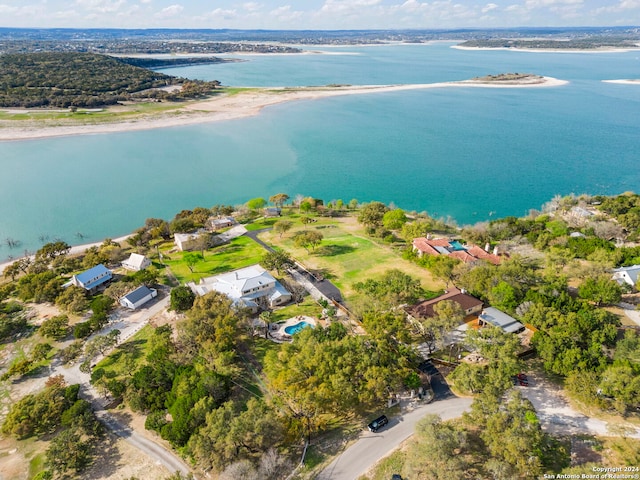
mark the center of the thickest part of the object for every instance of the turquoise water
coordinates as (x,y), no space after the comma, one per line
(466,153)
(293,329)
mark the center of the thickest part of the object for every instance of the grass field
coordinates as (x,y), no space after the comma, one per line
(131,352)
(241,252)
(346,256)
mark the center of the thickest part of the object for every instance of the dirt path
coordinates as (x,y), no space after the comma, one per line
(557,416)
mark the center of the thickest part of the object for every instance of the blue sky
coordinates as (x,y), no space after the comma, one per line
(316,14)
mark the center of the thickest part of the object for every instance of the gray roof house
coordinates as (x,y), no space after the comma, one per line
(91,279)
(627,275)
(138,297)
(493,316)
(251,287)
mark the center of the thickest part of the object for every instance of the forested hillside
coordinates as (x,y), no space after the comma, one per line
(81,80)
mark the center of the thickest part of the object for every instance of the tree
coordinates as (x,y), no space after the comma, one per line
(277,260)
(73,300)
(55,327)
(394,219)
(435,451)
(191,259)
(371,215)
(282,226)
(256,203)
(442,267)
(52,250)
(600,290)
(279,199)
(67,452)
(309,239)
(394,287)
(182,299)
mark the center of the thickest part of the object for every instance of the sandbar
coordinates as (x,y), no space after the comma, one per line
(232,106)
(553,50)
(624,82)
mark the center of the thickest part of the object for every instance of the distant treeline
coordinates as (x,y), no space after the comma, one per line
(63,80)
(588,43)
(172,62)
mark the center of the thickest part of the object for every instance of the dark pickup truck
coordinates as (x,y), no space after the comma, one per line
(378,423)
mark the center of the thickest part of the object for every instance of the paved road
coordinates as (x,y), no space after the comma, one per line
(371,447)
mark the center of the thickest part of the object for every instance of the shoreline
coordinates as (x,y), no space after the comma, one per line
(75,249)
(232,107)
(551,50)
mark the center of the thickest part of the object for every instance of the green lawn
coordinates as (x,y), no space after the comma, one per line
(346,256)
(309,307)
(133,351)
(241,252)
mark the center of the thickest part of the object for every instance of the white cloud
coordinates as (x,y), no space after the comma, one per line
(285,15)
(101,6)
(223,14)
(170,11)
(488,7)
(252,6)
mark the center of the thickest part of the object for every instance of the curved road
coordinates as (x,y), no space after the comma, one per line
(371,447)
(72,374)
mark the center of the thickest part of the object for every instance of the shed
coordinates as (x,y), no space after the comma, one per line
(138,297)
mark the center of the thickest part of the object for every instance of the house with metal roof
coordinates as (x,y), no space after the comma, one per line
(93,278)
(627,275)
(493,316)
(138,297)
(251,287)
(136,262)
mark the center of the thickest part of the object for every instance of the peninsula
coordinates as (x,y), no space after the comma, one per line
(225,104)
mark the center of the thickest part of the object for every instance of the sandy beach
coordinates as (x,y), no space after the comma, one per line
(551,50)
(623,82)
(229,107)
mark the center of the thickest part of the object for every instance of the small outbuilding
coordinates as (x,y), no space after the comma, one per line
(493,316)
(136,262)
(138,297)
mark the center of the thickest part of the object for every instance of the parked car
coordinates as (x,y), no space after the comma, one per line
(378,423)
(521,379)
(395,476)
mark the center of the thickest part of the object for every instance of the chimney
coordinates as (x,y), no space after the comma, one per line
(495,250)
(487,247)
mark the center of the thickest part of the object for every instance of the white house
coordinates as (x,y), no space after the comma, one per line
(136,262)
(185,241)
(224,222)
(627,275)
(493,316)
(138,297)
(252,287)
(91,279)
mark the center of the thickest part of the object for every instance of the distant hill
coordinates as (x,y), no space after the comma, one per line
(64,80)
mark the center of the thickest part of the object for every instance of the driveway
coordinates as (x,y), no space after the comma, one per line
(128,323)
(371,447)
(557,416)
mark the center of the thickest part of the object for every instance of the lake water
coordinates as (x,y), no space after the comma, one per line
(466,153)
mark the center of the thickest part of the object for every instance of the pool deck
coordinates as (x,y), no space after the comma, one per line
(280,333)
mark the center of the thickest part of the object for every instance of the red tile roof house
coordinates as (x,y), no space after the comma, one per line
(470,304)
(453,248)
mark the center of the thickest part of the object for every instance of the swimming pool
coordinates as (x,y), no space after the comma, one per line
(456,246)
(293,329)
